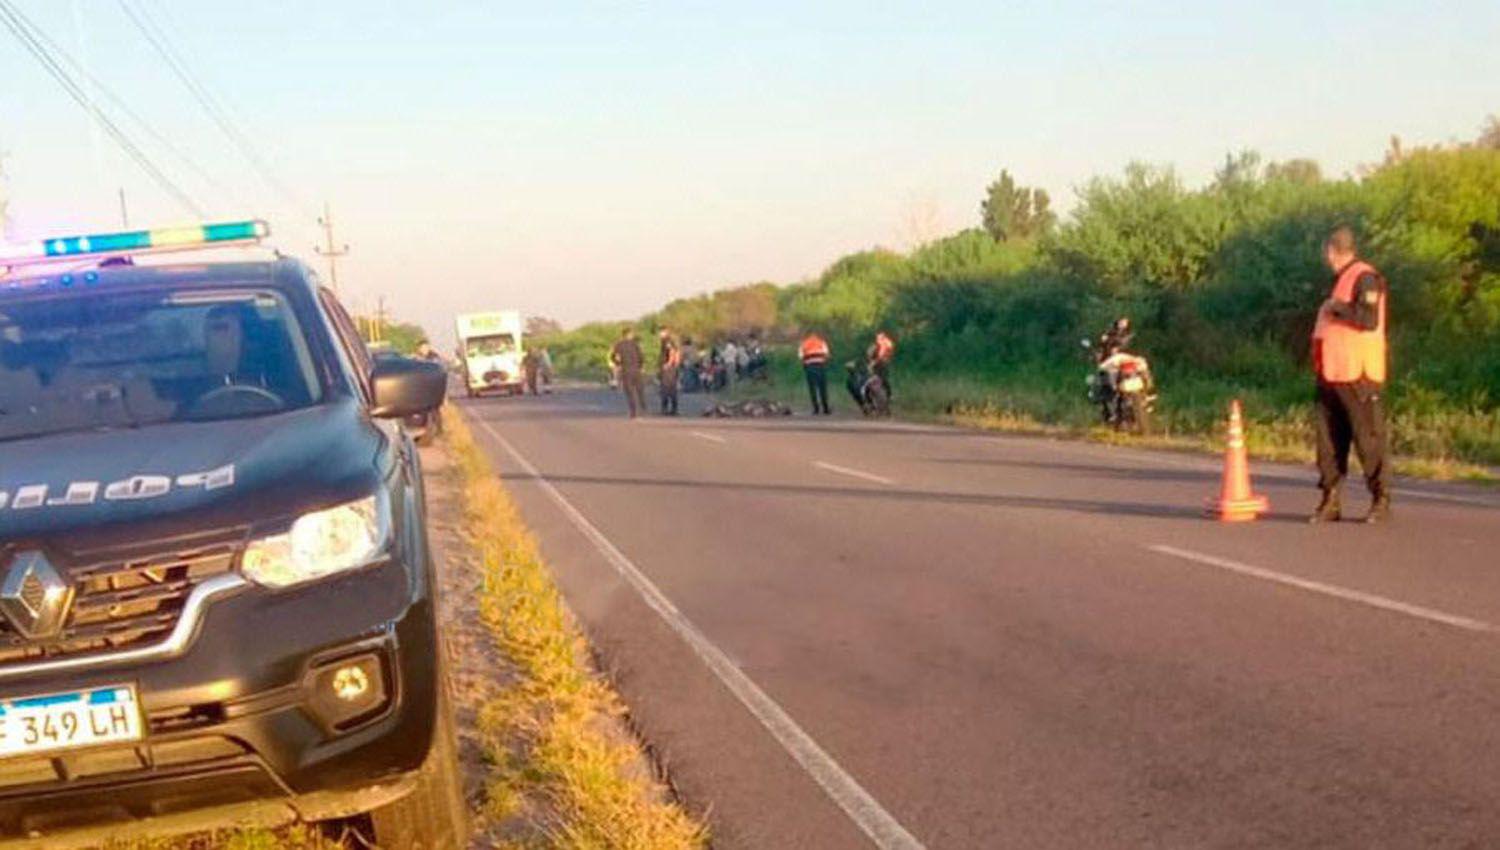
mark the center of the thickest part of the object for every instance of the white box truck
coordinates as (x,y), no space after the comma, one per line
(489,348)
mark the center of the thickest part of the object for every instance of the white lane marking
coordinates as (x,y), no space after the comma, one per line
(1466,623)
(852,473)
(712,438)
(867,813)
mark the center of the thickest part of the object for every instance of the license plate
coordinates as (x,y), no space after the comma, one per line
(41,724)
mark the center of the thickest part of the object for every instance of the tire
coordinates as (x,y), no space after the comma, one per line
(434,816)
(1142,418)
(880,403)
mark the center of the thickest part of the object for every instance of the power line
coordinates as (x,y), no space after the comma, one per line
(26,32)
(129,112)
(162,44)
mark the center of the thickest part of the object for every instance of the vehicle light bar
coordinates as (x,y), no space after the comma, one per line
(133,242)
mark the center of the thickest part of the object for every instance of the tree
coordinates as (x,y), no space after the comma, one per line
(1489,138)
(1016,212)
(403,337)
(542,326)
(1239,171)
(1304,172)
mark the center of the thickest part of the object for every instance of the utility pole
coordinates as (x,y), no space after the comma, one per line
(327,250)
(124,211)
(379,318)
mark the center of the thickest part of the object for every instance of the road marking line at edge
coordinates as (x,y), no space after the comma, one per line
(852,473)
(712,438)
(867,813)
(1347,594)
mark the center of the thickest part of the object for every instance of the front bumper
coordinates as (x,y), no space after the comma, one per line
(235,720)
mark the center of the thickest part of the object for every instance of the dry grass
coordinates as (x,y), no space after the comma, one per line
(562,766)
(296,838)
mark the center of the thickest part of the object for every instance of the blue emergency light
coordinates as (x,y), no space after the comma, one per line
(133,242)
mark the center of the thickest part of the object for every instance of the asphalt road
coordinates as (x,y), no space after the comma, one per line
(850,634)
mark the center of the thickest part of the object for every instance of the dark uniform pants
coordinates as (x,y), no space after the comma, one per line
(668,378)
(1352,413)
(817,385)
(882,368)
(634,385)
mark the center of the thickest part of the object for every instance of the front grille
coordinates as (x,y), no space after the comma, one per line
(122,602)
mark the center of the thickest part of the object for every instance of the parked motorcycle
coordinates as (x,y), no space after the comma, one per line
(867,389)
(1122,385)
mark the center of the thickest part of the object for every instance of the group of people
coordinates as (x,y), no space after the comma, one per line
(679,365)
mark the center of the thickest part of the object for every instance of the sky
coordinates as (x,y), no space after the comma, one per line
(593,160)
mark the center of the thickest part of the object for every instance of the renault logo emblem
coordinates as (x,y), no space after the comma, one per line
(34,596)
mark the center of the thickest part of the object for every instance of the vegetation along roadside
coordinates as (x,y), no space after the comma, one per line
(1222,280)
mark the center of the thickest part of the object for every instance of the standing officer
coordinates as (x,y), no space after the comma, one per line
(1349,354)
(629,364)
(531,367)
(882,351)
(668,365)
(814,353)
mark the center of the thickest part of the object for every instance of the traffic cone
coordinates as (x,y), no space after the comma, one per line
(1236,502)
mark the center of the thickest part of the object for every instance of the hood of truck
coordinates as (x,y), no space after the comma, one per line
(166,481)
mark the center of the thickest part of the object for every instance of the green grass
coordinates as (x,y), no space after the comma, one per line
(1430,440)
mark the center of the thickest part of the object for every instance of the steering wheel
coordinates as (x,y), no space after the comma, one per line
(217,398)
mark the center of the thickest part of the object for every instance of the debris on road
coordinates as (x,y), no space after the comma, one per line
(756,408)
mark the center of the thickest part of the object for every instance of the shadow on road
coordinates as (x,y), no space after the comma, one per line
(1085,506)
(1124,473)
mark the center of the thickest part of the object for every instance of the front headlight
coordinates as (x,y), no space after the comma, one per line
(344,537)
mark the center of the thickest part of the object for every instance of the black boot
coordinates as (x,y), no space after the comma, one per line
(1329,509)
(1380,509)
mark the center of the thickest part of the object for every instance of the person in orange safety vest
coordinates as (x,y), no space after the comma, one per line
(1351,362)
(880,354)
(814,353)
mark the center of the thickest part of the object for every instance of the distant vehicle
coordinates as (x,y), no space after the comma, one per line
(489,348)
(216,591)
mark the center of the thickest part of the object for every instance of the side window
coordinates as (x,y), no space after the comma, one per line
(354,345)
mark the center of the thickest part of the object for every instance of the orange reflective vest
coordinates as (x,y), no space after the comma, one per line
(814,351)
(885,348)
(1345,353)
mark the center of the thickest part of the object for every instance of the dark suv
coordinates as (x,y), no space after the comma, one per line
(216,593)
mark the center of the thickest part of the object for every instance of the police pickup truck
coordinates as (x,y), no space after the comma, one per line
(216,593)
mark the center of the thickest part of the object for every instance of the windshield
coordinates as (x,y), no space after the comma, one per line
(119,361)
(489,346)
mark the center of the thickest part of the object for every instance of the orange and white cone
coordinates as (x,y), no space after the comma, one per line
(1236,502)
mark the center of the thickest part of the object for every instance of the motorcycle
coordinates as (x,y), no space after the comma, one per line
(1122,386)
(867,389)
(757,366)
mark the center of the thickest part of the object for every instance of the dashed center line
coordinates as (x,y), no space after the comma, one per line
(1347,594)
(712,438)
(852,473)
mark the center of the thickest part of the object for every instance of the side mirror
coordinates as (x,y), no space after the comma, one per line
(404,387)
(1086,343)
